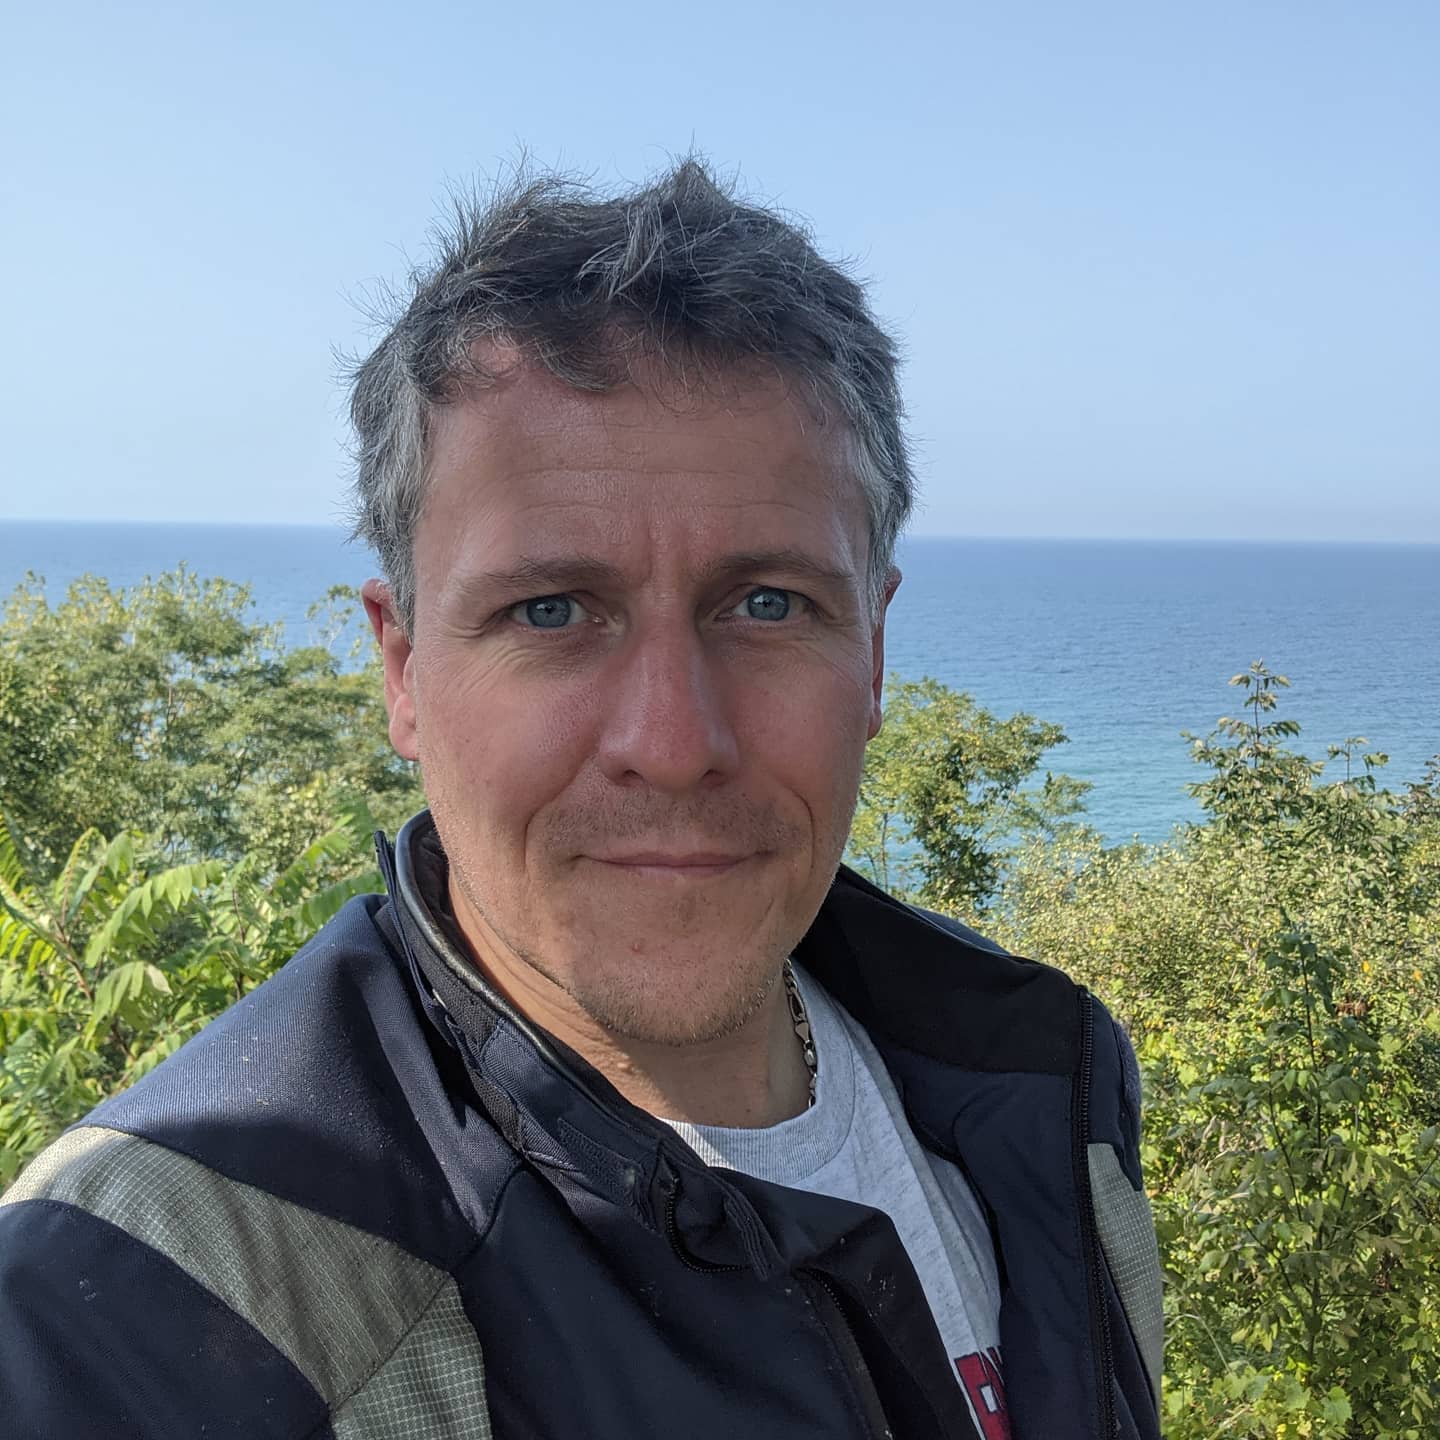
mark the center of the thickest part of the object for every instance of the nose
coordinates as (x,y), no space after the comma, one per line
(667,718)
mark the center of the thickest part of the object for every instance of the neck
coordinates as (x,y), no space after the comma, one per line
(751,1078)
(754,1076)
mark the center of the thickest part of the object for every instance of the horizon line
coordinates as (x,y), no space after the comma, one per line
(338,530)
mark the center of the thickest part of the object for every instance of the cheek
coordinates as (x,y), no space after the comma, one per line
(810,725)
(498,751)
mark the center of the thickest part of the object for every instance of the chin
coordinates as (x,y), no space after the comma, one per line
(656,999)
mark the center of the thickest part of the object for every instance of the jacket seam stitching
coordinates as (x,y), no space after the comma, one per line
(445,1277)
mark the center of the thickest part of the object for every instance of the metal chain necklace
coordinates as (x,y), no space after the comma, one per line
(801,1022)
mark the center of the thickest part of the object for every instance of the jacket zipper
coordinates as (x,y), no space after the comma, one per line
(1099,1314)
(671,1182)
(843,1334)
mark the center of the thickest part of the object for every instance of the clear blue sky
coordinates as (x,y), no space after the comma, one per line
(1160,269)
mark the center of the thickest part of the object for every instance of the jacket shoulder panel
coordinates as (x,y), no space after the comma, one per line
(318,1087)
(1123,1216)
(363,1321)
(102,1337)
(1115,1110)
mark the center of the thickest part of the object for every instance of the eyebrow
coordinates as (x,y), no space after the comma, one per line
(784,561)
(554,574)
(538,574)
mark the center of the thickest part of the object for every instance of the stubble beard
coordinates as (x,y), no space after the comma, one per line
(649,996)
(625,997)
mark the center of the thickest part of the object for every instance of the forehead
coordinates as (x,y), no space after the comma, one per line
(741,462)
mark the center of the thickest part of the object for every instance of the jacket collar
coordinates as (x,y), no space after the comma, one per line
(928,985)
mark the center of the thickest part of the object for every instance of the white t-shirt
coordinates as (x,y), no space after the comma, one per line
(855,1143)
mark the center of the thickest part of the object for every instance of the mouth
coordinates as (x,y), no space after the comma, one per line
(670,865)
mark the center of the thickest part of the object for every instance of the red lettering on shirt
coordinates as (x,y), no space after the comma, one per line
(985,1389)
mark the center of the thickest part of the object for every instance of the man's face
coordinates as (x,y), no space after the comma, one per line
(640,681)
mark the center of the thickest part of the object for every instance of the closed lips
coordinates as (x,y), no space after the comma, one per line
(698,860)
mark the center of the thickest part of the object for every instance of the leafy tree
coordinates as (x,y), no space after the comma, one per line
(1257,781)
(163,760)
(943,798)
(165,709)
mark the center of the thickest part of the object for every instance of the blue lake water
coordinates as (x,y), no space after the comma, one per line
(1124,643)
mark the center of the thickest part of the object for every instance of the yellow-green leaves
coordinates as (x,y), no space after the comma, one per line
(111,963)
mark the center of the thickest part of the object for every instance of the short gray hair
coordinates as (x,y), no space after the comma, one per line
(679,271)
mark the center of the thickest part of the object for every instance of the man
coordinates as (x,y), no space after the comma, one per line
(625,1113)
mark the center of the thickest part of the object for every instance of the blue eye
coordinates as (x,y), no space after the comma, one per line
(767,604)
(549,612)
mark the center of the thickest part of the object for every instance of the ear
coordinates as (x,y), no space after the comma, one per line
(398,656)
(877,655)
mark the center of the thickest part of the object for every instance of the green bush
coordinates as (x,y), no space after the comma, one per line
(111,963)
(1298,1206)
(1279,968)
(943,799)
